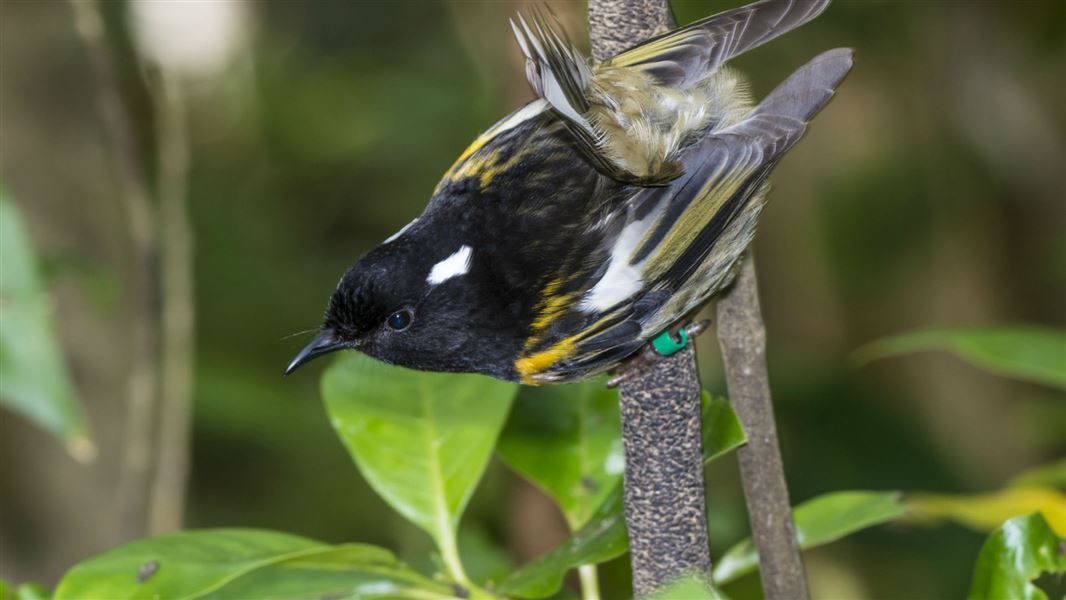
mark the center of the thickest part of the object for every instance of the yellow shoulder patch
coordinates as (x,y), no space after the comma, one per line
(529,366)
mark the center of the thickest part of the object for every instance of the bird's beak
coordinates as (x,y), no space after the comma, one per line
(324,343)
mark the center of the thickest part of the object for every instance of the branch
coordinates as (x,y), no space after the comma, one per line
(742,337)
(616,25)
(141,395)
(664,496)
(152,479)
(167,507)
(661,418)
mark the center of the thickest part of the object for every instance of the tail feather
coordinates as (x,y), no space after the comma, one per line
(558,73)
(555,69)
(687,55)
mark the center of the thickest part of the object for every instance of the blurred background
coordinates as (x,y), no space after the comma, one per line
(273,142)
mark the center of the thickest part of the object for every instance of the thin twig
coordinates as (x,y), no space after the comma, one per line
(141,398)
(742,337)
(167,505)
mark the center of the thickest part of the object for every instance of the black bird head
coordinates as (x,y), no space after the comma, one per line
(421,304)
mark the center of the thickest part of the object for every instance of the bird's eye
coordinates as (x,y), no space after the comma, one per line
(400,320)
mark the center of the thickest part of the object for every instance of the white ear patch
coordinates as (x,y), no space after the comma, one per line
(455,265)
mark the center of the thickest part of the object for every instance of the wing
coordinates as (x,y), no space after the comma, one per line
(732,163)
(684,56)
(670,248)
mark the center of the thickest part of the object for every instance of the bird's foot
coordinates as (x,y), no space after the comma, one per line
(652,352)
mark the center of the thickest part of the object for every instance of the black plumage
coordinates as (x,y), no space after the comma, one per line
(571,233)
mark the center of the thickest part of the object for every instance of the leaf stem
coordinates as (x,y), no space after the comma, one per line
(449,553)
(445,538)
(590,582)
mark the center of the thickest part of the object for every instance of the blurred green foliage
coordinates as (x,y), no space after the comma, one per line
(33,377)
(1026,353)
(1051,475)
(818,521)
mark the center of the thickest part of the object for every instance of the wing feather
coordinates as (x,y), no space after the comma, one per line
(731,165)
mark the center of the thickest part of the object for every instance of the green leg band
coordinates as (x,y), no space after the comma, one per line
(665,344)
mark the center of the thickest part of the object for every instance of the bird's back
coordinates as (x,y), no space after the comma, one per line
(623,198)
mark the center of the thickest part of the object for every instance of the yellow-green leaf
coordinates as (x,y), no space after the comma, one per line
(985,512)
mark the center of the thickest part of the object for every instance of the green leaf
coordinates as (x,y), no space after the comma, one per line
(600,540)
(184,565)
(181,565)
(603,537)
(1036,354)
(345,571)
(421,440)
(819,521)
(32,591)
(721,429)
(985,512)
(33,377)
(566,439)
(688,588)
(234,564)
(1016,554)
(484,560)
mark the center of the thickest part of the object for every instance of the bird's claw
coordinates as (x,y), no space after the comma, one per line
(648,356)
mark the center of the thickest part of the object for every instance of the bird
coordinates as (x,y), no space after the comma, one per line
(589,221)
